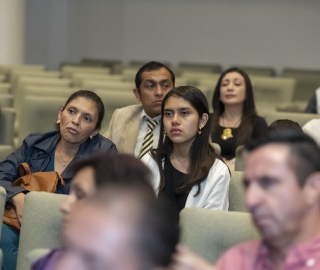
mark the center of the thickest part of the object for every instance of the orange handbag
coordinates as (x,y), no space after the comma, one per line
(37,181)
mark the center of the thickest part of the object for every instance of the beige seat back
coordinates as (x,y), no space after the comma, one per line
(41,227)
(210,233)
(237,193)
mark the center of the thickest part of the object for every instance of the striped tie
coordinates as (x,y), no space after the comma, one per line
(148,139)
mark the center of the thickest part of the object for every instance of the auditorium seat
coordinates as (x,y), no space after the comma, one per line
(300,118)
(41,227)
(237,193)
(5,88)
(270,91)
(307,82)
(39,115)
(6,100)
(113,100)
(7,119)
(210,233)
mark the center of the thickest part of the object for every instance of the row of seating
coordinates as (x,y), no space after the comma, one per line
(42,218)
(115,92)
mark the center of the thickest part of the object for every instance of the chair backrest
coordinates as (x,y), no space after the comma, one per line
(259,71)
(273,90)
(68,70)
(300,118)
(6,100)
(210,233)
(41,224)
(241,154)
(212,68)
(216,147)
(307,82)
(5,88)
(78,78)
(7,118)
(113,100)
(3,196)
(5,150)
(92,84)
(39,114)
(237,193)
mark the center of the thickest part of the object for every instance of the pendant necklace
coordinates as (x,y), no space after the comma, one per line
(65,162)
(227,131)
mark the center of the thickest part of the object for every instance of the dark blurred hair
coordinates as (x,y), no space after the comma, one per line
(91,96)
(284,124)
(116,169)
(304,157)
(248,111)
(201,154)
(156,227)
(150,66)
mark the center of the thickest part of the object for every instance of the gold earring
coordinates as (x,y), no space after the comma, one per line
(199,131)
(90,137)
(58,121)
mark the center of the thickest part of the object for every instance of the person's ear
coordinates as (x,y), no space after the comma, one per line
(59,114)
(95,132)
(312,189)
(203,120)
(136,92)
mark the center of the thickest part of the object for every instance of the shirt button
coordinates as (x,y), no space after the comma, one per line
(310,262)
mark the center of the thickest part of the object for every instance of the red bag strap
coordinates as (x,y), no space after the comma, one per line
(24,169)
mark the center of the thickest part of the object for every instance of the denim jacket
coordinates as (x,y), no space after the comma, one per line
(36,150)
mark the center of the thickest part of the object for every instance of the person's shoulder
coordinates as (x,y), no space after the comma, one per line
(219,164)
(315,121)
(34,138)
(129,109)
(258,120)
(103,142)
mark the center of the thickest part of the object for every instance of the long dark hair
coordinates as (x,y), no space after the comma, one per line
(201,154)
(248,110)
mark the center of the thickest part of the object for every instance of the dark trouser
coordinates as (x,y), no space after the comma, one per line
(9,245)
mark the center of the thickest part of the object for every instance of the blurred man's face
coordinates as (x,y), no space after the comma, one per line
(96,239)
(277,203)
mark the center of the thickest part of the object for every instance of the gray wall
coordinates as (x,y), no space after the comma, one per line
(275,33)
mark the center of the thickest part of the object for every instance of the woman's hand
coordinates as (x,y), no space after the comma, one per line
(18,202)
(184,259)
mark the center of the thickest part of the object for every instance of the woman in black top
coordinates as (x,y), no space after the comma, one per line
(234,120)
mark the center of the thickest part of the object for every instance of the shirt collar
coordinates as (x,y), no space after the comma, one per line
(144,116)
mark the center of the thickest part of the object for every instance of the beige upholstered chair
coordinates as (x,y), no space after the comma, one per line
(5,150)
(6,100)
(113,100)
(237,193)
(259,71)
(300,118)
(68,70)
(241,154)
(41,225)
(7,118)
(93,84)
(307,82)
(210,233)
(39,114)
(215,68)
(3,195)
(5,88)
(270,91)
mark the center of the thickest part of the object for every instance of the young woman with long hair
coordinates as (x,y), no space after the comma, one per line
(187,170)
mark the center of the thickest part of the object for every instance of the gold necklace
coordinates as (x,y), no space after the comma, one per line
(227,131)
